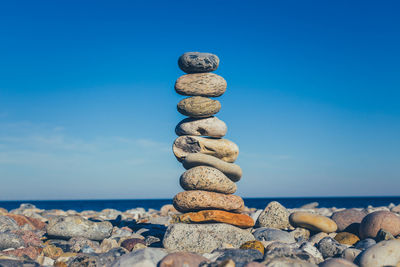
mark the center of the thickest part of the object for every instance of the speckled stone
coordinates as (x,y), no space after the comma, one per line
(202,200)
(373,222)
(197,62)
(208,179)
(216,216)
(254,244)
(212,127)
(346,238)
(201,84)
(385,253)
(232,171)
(274,216)
(223,149)
(198,107)
(313,222)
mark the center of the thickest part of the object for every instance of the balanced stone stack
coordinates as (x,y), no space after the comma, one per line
(208,205)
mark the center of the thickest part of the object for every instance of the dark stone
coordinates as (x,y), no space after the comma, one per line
(196,62)
(364,244)
(129,244)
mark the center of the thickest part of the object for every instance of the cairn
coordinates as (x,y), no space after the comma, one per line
(210,176)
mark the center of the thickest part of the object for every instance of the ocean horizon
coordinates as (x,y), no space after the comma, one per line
(259,203)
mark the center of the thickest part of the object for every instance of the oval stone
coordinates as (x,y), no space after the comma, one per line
(349,220)
(182,259)
(212,127)
(313,222)
(202,200)
(196,62)
(208,179)
(337,262)
(385,253)
(232,171)
(214,216)
(198,107)
(201,84)
(373,222)
(221,148)
(346,238)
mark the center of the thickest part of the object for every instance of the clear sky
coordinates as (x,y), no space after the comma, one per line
(88,109)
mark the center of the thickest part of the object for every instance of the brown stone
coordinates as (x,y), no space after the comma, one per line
(215,216)
(254,244)
(130,244)
(373,222)
(52,251)
(179,259)
(198,107)
(346,238)
(202,200)
(201,84)
(313,222)
(31,252)
(349,220)
(22,220)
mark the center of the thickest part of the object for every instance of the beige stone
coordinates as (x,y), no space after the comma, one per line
(201,84)
(198,107)
(313,222)
(211,126)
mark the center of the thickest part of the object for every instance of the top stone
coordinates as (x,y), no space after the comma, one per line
(196,62)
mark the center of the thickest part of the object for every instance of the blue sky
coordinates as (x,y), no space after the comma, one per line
(88,109)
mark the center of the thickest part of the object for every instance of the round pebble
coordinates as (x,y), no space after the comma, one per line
(201,84)
(196,62)
(377,220)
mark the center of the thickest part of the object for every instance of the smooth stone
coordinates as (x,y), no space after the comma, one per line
(271,234)
(348,220)
(384,235)
(373,222)
(216,216)
(301,234)
(211,126)
(240,256)
(208,179)
(203,238)
(286,256)
(346,238)
(274,216)
(198,107)
(7,224)
(201,84)
(313,222)
(254,244)
(180,259)
(220,148)
(146,257)
(365,244)
(131,243)
(337,262)
(385,253)
(76,226)
(330,247)
(196,200)
(10,240)
(350,254)
(232,171)
(197,62)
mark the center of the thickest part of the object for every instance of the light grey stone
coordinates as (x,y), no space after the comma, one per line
(10,240)
(286,256)
(272,234)
(337,262)
(330,247)
(274,216)
(384,253)
(7,224)
(211,126)
(146,257)
(350,254)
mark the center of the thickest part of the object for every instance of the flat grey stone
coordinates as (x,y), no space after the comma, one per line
(271,234)
(146,257)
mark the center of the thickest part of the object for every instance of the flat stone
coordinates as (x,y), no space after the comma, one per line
(313,222)
(146,257)
(348,220)
(201,84)
(385,253)
(221,148)
(74,226)
(293,257)
(197,62)
(208,179)
(337,263)
(10,240)
(214,216)
(254,244)
(271,234)
(204,238)
(196,200)
(373,222)
(211,126)
(180,259)
(239,256)
(274,216)
(330,247)
(7,224)
(232,171)
(198,107)
(346,238)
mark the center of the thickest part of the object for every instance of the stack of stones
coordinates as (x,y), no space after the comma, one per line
(209,181)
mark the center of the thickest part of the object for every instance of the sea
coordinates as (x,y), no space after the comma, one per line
(259,203)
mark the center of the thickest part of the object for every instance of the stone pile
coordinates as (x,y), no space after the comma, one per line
(209,181)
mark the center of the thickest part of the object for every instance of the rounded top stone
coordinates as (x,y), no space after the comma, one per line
(196,62)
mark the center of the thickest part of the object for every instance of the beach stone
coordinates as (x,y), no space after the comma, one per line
(223,149)
(198,107)
(201,84)
(396,209)
(348,220)
(10,240)
(350,254)
(197,62)
(18,263)
(254,244)
(52,251)
(30,252)
(286,256)
(74,226)
(313,222)
(337,262)
(300,234)
(346,238)
(208,179)
(214,216)
(131,243)
(146,257)
(384,235)
(312,250)
(385,253)
(239,256)
(196,200)
(274,216)
(377,220)
(7,224)
(180,259)
(33,223)
(232,171)
(211,126)
(254,264)
(203,238)
(272,234)
(365,244)
(81,244)
(330,247)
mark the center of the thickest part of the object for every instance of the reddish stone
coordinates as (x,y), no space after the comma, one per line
(178,259)
(31,252)
(378,220)
(21,220)
(29,237)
